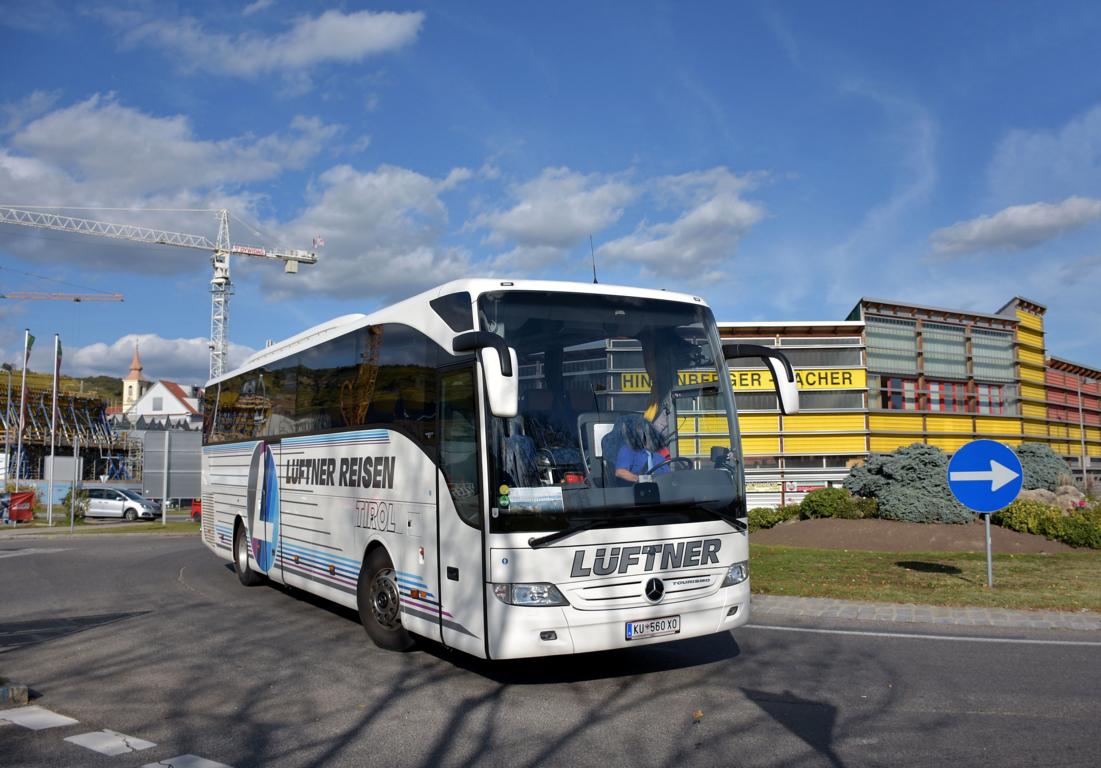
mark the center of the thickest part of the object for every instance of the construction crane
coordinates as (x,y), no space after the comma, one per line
(221,248)
(46,296)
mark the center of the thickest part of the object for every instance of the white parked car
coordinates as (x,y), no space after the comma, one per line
(119,502)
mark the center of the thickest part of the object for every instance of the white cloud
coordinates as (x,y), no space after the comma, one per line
(552,213)
(14,115)
(256,7)
(127,152)
(99,152)
(186,361)
(1017,227)
(333,36)
(1039,164)
(383,233)
(703,237)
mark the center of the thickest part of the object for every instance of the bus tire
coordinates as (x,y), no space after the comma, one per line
(379,601)
(245,574)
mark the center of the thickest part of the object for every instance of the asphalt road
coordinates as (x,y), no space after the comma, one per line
(154,637)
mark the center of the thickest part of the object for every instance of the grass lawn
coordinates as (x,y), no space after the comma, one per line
(183,526)
(1070,581)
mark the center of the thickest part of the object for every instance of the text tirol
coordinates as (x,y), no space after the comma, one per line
(684,554)
(354,472)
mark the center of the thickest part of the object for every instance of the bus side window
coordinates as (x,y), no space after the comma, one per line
(459,443)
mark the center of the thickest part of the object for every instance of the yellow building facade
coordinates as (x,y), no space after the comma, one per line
(893,374)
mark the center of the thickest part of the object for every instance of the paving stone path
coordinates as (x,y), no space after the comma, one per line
(765,606)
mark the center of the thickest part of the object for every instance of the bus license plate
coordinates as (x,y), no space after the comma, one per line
(666,625)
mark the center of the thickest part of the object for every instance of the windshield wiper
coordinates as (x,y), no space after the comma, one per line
(550,538)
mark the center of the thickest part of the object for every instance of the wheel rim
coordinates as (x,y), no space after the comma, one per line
(242,553)
(385,600)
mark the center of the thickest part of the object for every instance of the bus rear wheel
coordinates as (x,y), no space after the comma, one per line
(245,574)
(379,601)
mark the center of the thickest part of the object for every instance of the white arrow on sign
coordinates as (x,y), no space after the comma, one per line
(997,476)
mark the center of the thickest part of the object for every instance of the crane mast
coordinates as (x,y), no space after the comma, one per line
(221,287)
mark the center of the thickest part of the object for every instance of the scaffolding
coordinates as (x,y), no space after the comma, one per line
(81,417)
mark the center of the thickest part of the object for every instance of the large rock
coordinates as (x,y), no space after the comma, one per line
(1067,497)
(1038,494)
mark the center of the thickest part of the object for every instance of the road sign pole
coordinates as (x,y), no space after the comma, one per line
(985,476)
(989,557)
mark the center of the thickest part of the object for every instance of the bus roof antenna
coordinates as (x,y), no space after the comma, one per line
(593,254)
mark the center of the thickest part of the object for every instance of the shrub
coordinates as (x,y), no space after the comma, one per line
(1030,517)
(81,502)
(868,506)
(789,511)
(1043,467)
(829,502)
(1081,530)
(1078,529)
(766,517)
(910,484)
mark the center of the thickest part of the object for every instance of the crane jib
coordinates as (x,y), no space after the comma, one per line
(220,285)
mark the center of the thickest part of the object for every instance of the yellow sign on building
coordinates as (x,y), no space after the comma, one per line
(744,381)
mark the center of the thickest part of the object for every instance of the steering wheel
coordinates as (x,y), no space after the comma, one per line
(689,464)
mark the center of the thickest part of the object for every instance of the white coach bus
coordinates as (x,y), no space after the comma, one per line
(512,469)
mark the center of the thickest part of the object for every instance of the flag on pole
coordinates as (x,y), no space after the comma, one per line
(27,349)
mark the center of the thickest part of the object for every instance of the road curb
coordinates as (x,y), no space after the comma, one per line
(908,613)
(97,534)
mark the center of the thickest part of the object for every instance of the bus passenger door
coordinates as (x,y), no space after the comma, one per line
(459,512)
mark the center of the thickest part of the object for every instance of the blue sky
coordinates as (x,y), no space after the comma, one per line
(780,159)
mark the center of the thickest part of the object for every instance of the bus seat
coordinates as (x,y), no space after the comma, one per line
(518,461)
(593,428)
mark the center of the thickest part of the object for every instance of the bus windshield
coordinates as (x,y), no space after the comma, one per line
(626,415)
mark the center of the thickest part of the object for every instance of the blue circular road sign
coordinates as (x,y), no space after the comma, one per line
(985,475)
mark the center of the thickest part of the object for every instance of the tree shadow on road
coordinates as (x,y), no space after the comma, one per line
(812,721)
(18,634)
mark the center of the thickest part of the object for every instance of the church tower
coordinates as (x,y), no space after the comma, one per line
(135,384)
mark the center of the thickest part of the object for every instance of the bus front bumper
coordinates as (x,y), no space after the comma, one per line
(517,632)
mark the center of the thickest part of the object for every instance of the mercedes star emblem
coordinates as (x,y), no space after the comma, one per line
(655,590)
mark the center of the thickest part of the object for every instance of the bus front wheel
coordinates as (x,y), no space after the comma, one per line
(245,574)
(379,600)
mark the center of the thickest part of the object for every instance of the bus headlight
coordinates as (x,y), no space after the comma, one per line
(738,573)
(529,594)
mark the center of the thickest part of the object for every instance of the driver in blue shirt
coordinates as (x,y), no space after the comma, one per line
(635,455)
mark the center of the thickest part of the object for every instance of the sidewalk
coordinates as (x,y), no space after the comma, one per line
(767,606)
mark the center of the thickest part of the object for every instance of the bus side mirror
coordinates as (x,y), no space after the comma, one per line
(783,377)
(499,370)
(502,390)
